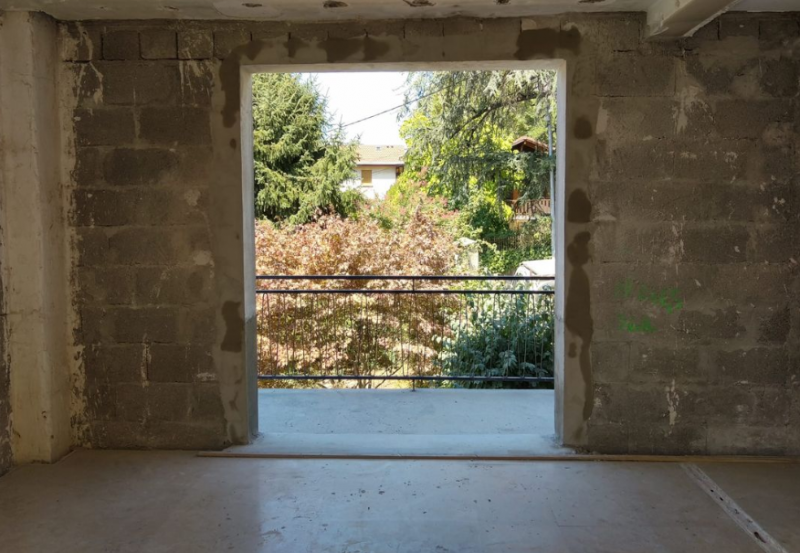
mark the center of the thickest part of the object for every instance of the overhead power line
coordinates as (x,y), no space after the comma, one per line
(404,104)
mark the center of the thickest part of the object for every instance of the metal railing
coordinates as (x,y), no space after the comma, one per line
(374,330)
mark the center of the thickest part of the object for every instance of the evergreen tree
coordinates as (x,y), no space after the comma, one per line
(301,159)
(460,126)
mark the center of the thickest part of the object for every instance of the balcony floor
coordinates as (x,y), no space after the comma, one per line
(446,422)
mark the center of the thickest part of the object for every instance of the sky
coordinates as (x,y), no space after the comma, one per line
(354,96)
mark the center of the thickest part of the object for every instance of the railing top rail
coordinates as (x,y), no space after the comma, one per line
(401,277)
(368,291)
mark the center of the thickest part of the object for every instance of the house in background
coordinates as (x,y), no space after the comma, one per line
(524,210)
(377,170)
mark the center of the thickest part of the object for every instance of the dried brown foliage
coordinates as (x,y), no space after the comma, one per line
(354,334)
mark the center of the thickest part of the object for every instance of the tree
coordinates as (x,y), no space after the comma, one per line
(460,127)
(300,158)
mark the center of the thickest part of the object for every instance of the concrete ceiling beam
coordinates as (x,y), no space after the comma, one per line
(669,19)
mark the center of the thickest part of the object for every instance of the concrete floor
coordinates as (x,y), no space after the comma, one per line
(406,422)
(105,501)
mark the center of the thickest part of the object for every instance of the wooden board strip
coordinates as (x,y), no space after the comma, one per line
(516,458)
(733,510)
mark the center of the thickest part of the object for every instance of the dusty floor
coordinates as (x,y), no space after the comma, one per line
(397,422)
(105,501)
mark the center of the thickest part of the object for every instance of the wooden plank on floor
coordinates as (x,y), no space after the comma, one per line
(763,538)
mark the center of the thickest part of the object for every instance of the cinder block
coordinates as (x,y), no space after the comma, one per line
(663,364)
(725,438)
(159,45)
(718,161)
(749,118)
(634,159)
(168,363)
(686,438)
(138,167)
(168,401)
(461,26)
(774,328)
(88,169)
(145,325)
(115,363)
(118,82)
(101,401)
(207,403)
(773,33)
(165,207)
(633,75)
(195,45)
(87,85)
(104,127)
(629,119)
(140,83)
(774,243)
(721,76)
(603,35)
(748,405)
(707,33)
(117,434)
(80,42)
(158,83)
(271,30)
(761,365)
(121,45)
(735,26)
(780,77)
(716,324)
(97,208)
(187,435)
(173,286)
(608,438)
(198,84)
(197,325)
(610,404)
(347,30)
(385,28)
(422,28)
(135,246)
(175,126)
(131,403)
(227,41)
(635,242)
(717,244)
(92,245)
(105,286)
(610,361)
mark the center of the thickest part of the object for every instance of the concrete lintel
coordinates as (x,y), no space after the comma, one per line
(668,19)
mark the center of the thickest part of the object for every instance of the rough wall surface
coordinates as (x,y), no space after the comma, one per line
(681,312)
(5,381)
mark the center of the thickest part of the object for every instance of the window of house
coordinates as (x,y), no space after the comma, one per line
(366,176)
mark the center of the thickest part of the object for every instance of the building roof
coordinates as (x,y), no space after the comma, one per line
(380,155)
(528,144)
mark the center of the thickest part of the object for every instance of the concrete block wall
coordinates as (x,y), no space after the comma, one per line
(681,318)
(695,271)
(145,272)
(5,381)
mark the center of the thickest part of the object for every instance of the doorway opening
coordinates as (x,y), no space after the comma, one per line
(406,252)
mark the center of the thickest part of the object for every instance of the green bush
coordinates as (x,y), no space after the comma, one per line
(506,335)
(503,253)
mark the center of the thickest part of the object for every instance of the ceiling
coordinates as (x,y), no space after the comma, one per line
(319,10)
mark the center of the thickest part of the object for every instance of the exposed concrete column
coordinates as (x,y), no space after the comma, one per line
(35,273)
